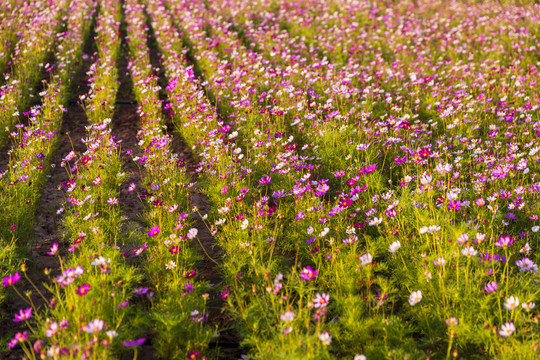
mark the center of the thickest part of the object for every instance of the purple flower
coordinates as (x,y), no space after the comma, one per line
(140,291)
(308,273)
(23,315)
(137,342)
(11,279)
(265,180)
(188,287)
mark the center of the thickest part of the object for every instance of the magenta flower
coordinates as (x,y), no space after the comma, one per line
(122,304)
(23,315)
(454,205)
(308,273)
(11,279)
(154,231)
(132,343)
(174,250)
(193,354)
(83,289)
(19,337)
(265,180)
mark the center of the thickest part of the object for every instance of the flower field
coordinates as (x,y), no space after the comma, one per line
(269,179)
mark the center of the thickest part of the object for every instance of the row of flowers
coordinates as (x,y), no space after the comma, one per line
(90,292)
(13,19)
(177,294)
(29,61)
(21,184)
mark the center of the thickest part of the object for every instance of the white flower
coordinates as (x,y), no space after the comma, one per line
(511,303)
(439,261)
(245,224)
(415,297)
(462,239)
(535,228)
(469,251)
(480,237)
(111,334)
(101,261)
(375,221)
(426,178)
(325,338)
(170,265)
(394,246)
(94,326)
(525,249)
(365,259)
(192,233)
(360,357)
(287,316)
(507,329)
(528,306)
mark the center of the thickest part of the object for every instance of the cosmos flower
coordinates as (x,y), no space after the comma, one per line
(504,241)
(19,337)
(395,246)
(287,316)
(321,300)
(439,261)
(325,338)
(469,251)
(511,303)
(365,259)
(507,329)
(23,315)
(132,343)
(11,279)
(415,297)
(94,326)
(154,231)
(308,273)
(491,287)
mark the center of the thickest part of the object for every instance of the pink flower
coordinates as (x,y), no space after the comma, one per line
(53,250)
(321,300)
(23,315)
